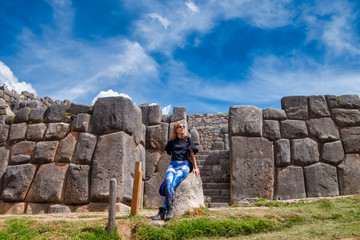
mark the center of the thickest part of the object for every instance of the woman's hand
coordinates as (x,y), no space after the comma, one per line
(196,172)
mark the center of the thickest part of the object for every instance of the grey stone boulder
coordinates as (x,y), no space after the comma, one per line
(4,162)
(195,136)
(274,114)
(48,184)
(3,118)
(188,195)
(55,113)
(58,208)
(349,175)
(114,157)
(37,208)
(323,129)
(282,152)
(349,101)
(81,122)
(37,114)
(22,152)
(346,117)
(155,115)
(293,129)
(318,107)
(22,115)
(152,161)
(4,132)
(77,186)
(45,152)
(295,107)
(17,180)
(252,172)
(332,153)
(67,148)
(144,113)
(85,148)
(152,197)
(157,136)
(218,145)
(34,104)
(304,151)
(351,139)
(271,129)
(17,132)
(332,101)
(245,121)
(179,113)
(36,131)
(113,114)
(57,131)
(76,108)
(289,183)
(321,180)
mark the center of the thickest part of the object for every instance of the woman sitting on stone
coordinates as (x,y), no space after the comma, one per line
(180,147)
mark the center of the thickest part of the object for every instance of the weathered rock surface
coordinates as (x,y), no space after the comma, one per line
(274,114)
(55,113)
(157,136)
(346,117)
(318,107)
(59,208)
(351,139)
(4,160)
(245,121)
(304,151)
(57,131)
(37,114)
(12,208)
(289,183)
(321,180)
(271,129)
(349,101)
(37,208)
(21,152)
(77,108)
(4,131)
(17,180)
(188,195)
(36,132)
(67,148)
(22,115)
(282,152)
(155,115)
(332,153)
(77,185)
(17,132)
(85,148)
(179,113)
(349,175)
(48,184)
(195,136)
(45,151)
(81,122)
(295,107)
(323,129)
(252,168)
(293,129)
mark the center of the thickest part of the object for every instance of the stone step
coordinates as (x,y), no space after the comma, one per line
(217,204)
(215,179)
(216,192)
(213,152)
(216,185)
(223,199)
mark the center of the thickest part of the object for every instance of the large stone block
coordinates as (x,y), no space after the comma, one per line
(17,132)
(12,207)
(271,129)
(245,121)
(295,107)
(4,131)
(45,152)
(22,152)
(113,114)
(252,164)
(17,180)
(304,151)
(195,136)
(152,160)
(321,180)
(179,113)
(349,101)
(282,152)
(144,112)
(152,196)
(48,184)
(22,115)
(157,136)
(36,132)
(188,195)
(85,148)
(114,157)
(37,208)
(57,131)
(37,114)
(349,175)
(34,104)
(346,117)
(318,107)
(77,108)
(4,161)
(332,101)
(323,129)
(155,115)
(289,183)
(332,153)
(81,122)
(274,114)
(55,113)
(351,139)
(77,185)
(293,129)
(67,148)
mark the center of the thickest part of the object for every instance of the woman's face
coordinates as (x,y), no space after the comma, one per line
(180,129)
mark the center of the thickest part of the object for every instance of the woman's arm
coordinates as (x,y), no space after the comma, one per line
(196,169)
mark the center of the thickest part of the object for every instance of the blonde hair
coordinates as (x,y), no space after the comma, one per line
(173,131)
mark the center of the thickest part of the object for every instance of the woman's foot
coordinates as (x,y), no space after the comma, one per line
(160,215)
(169,213)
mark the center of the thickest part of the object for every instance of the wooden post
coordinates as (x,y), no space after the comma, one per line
(112,206)
(136,194)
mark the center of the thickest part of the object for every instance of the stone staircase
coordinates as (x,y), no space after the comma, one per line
(214,166)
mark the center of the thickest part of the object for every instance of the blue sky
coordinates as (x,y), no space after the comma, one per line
(203,55)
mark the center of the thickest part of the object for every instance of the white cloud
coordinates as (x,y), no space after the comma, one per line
(8,78)
(191,5)
(161,19)
(109,93)
(166,109)
(153,104)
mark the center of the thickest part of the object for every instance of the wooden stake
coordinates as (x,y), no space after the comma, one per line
(112,206)
(136,194)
